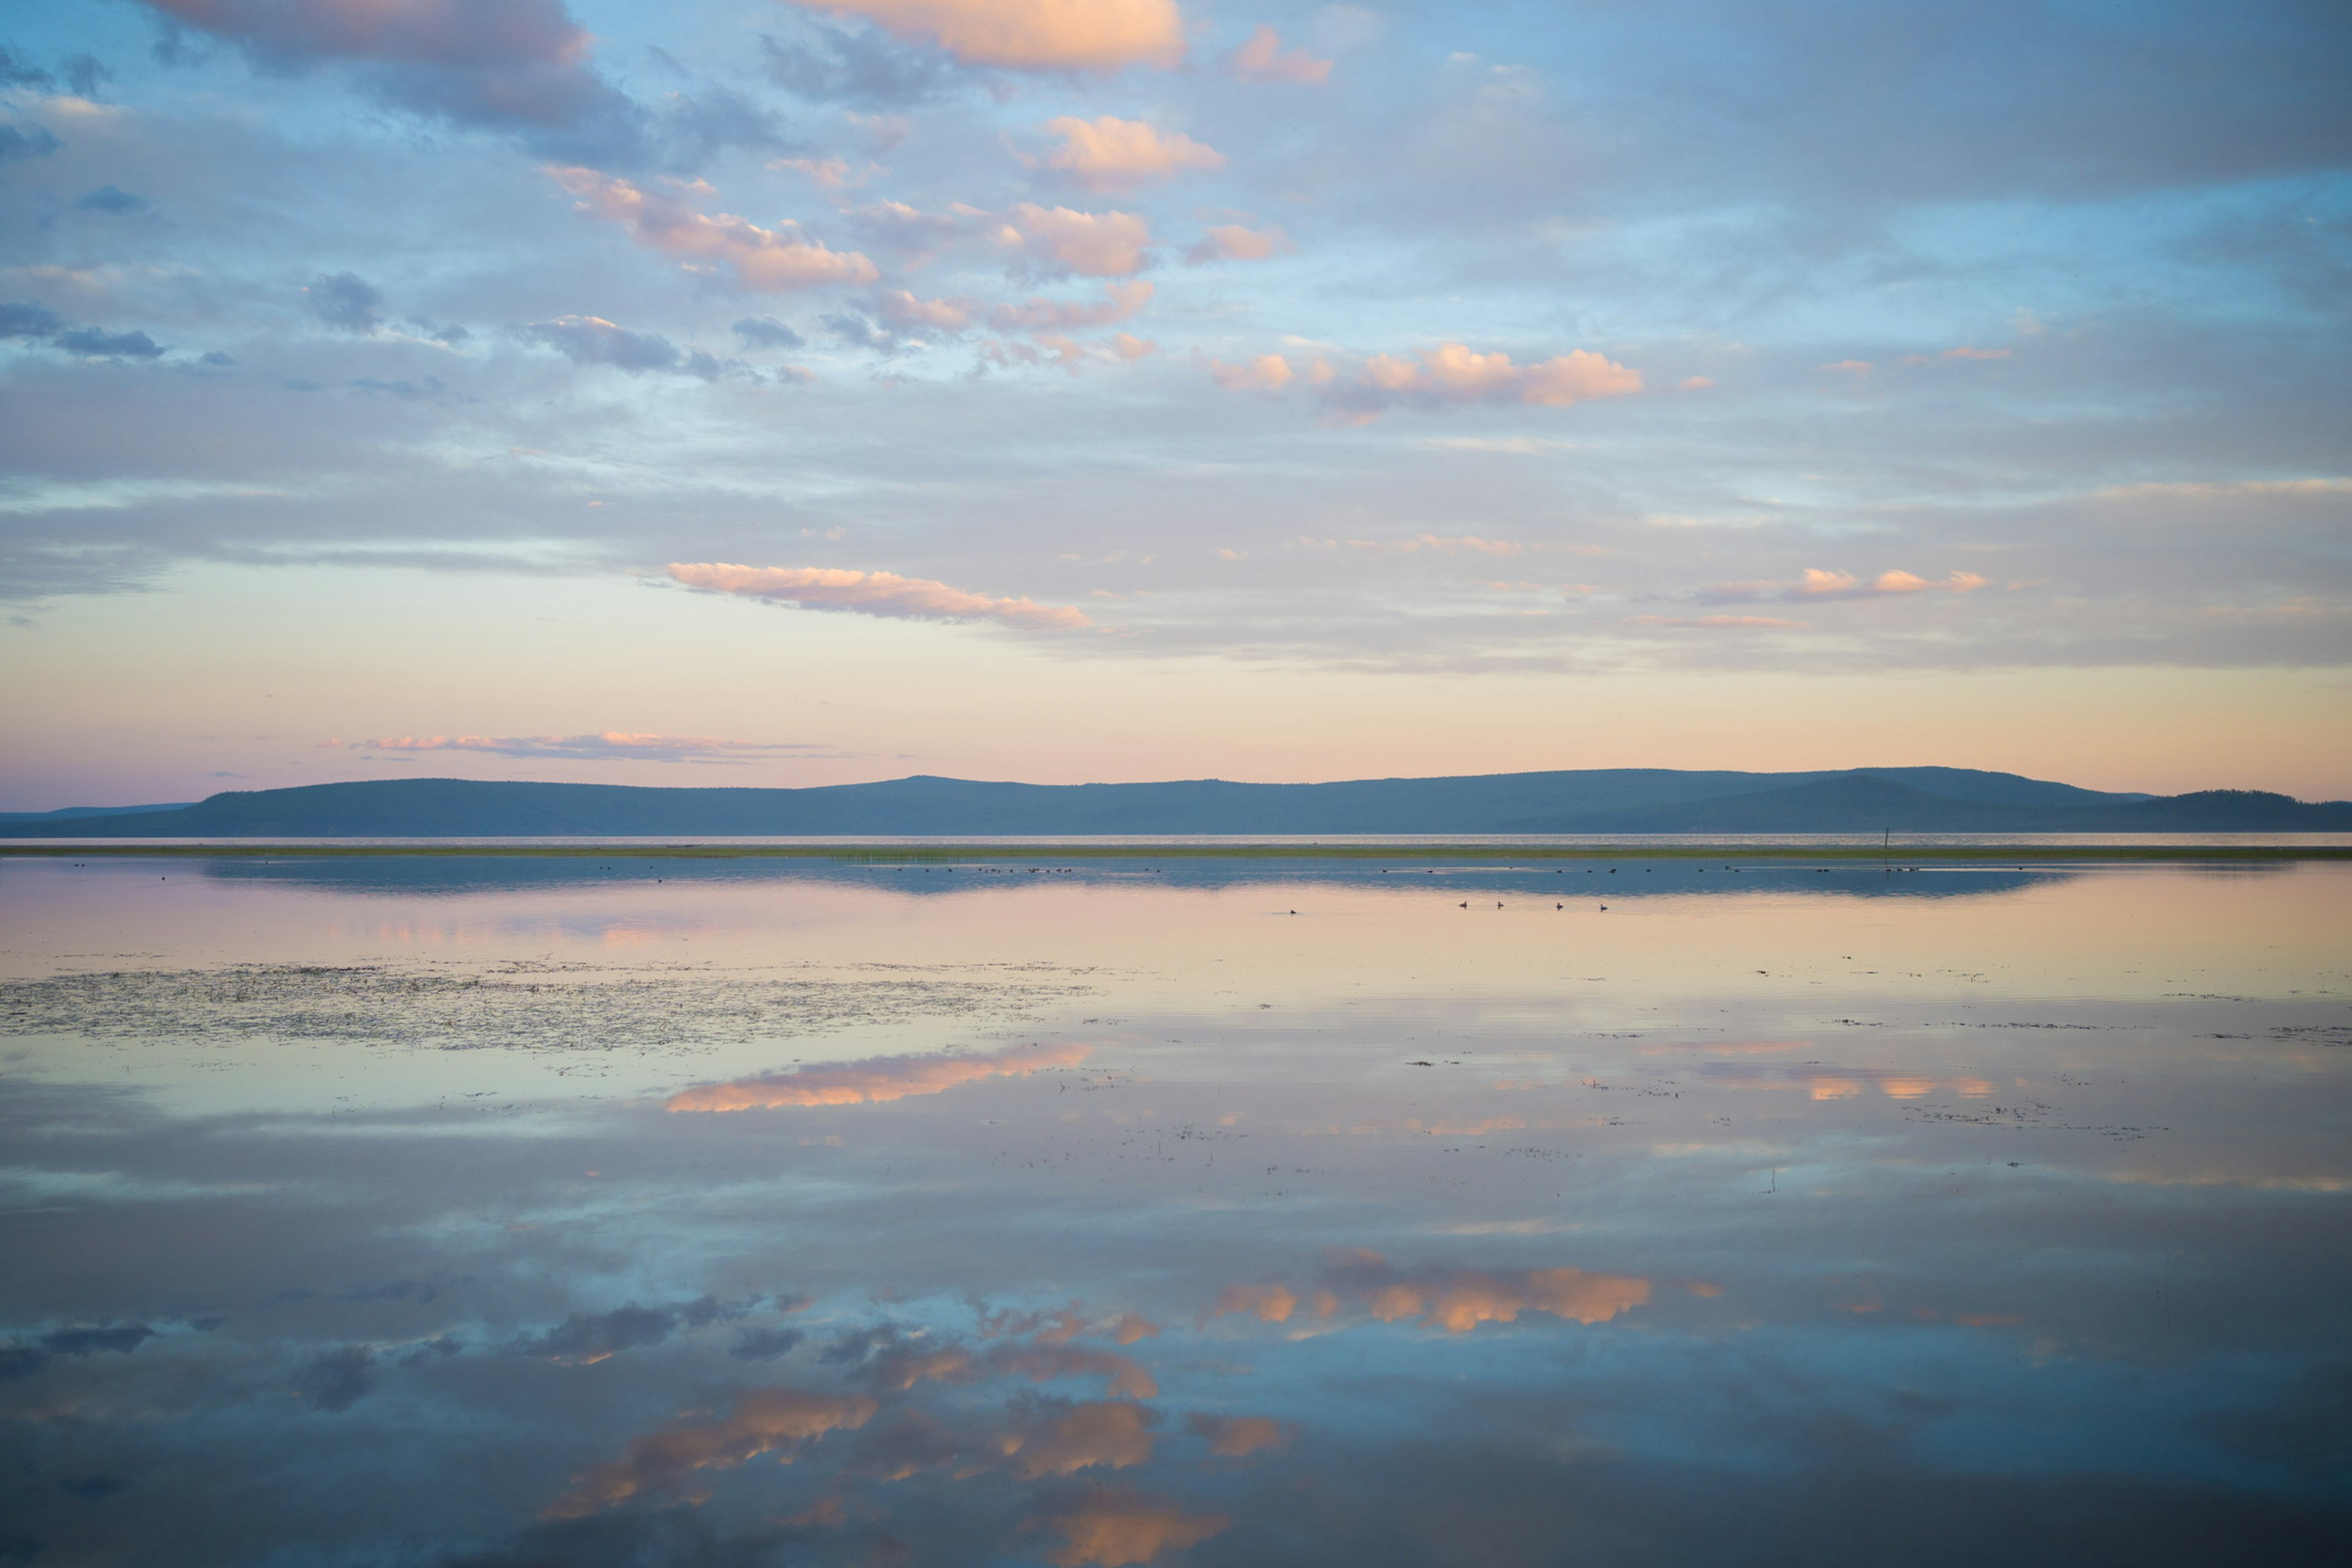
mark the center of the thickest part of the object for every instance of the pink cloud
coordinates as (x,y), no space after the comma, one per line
(873,1081)
(870,593)
(1726,622)
(1108,153)
(1093,245)
(1453,374)
(1235,242)
(762,1421)
(1857,368)
(1976,353)
(766,260)
(1818,583)
(1267,372)
(1262,59)
(1033,35)
(898,309)
(1119,301)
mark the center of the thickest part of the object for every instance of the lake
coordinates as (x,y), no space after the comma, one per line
(593,1211)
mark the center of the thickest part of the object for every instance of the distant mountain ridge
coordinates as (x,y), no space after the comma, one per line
(1608,800)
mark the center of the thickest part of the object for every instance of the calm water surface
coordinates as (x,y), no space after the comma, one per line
(468,1212)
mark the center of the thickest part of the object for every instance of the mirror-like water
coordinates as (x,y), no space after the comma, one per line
(498,1213)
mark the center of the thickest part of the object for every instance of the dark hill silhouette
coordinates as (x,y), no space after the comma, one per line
(1617,800)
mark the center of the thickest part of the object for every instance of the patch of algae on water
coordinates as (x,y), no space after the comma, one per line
(515,1009)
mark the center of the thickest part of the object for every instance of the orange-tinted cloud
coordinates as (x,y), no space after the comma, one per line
(873,1080)
(1458,1300)
(767,260)
(1734,623)
(1108,153)
(762,1421)
(1059,1440)
(1113,1528)
(871,593)
(1238,1436)
(1033,35)
(1092,245)
(1267,1303)
(1262,59)
(1130,1378)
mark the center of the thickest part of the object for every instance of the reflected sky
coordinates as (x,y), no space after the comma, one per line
(477,1212)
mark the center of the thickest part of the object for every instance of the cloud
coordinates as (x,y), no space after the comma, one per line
(765,260)
(1108,153)
(907,313)
(1262,59)
(489,62)
(762,1421)
(1130,1378)
(1857,368)
(1119,301)
(1114,1528)
(1267,1303)
(1267,372)
(870,593)
(767,332)
(1062,1439)
(92,344)
(1234,242)
(829,64)
(1238,1436)
(1754,623)
(592,340)
(1452,373)
(584,1338)
(1818,583)
(21,319)
(874,1080)
(336,1381)
(611,746)
(346,301)
(113,200)
(1033,35)
(1093,245)
(1458,1300)
(1976,353)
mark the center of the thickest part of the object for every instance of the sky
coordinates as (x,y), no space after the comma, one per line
(771,393)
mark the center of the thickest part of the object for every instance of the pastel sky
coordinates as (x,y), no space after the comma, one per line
(769,392)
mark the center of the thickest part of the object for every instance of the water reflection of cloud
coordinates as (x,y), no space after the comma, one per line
(876,1079)
(777,1420)
(1112,1528)
(1456,1300)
